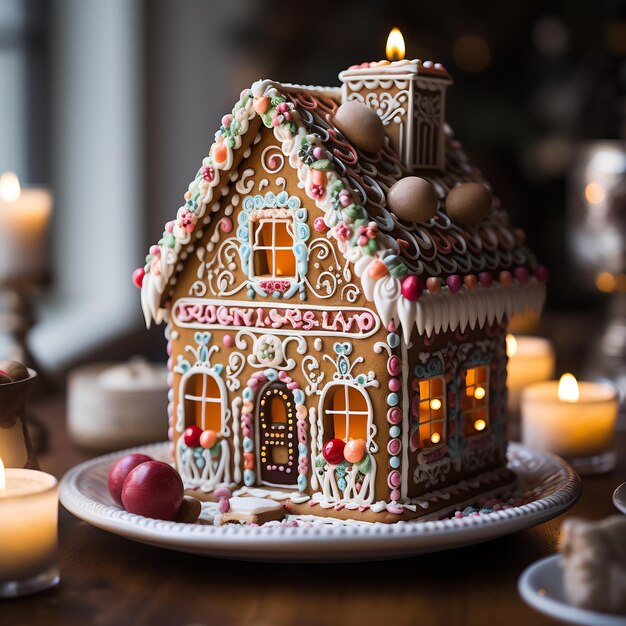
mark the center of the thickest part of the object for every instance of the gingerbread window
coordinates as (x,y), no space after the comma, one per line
(429,407)
(203,400)
(272,248)
(346,413)
(475,402)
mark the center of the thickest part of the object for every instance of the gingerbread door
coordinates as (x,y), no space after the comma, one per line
(277,436)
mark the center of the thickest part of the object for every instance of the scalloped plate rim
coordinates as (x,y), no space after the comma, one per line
(319,544)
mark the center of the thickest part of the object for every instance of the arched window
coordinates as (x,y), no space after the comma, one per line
(203,400)
(346,413)
(428,409)
(272,248)
(475,402)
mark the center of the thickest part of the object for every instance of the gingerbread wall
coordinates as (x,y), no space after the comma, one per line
(305,333)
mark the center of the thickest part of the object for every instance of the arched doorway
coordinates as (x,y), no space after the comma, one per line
(278,446)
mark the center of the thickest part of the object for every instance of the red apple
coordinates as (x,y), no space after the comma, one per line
(121,469)
(153,489)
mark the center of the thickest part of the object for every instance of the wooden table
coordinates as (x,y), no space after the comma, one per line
(110,580)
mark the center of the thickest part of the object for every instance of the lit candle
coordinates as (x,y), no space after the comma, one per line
(574,420)
(531,360)
(24,218)
(28,531)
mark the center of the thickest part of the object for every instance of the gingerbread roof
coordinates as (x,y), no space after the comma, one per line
(478,272)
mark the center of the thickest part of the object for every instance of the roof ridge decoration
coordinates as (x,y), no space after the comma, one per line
(376,256)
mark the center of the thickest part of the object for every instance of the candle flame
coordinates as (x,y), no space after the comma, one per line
(395,45)
(568,388)
(10,189)
(511,345)
(3,480)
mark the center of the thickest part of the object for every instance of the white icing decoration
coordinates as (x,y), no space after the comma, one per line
(252,506)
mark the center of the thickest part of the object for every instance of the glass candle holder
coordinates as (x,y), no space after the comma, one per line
(582,431)
(28,531)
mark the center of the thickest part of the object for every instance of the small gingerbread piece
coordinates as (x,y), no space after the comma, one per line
(252,510)
(593,557)
(12,371)
(361,125)
(189,511)
(468,203)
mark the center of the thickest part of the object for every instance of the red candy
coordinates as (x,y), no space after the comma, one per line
(521,273)
(542,273)
(153,489)
(191,436)
(138,276)
(412,288)
(454,283)
(485,279)
(333,451)
(119,472)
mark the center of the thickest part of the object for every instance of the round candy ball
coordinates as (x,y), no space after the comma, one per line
(191,436)
(361,125)
(119,472)
(413,199)
(354,450)
(468,203)
(208,438)
(153,489)
(138,276)
(12,371)
(333,451)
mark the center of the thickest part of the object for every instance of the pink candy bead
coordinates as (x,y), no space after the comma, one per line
(412,288)
(521,273)
(454,283)
(228,341)
(394,384)
(395,495)
(320,225)
(319,153)
(485,279)
(393,365)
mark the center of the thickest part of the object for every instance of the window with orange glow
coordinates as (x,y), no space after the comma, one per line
(203,402)
(346,413)
(429,408)
(475,401)
(273,249)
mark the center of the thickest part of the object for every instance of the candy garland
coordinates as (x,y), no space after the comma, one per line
(256,381)
(395,416)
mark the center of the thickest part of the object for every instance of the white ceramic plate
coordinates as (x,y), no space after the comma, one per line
(541,586)
(548,482)
(619,498)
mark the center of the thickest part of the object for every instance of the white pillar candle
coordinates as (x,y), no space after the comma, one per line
(28,531)
(573,420)
(24,218)
(531,360)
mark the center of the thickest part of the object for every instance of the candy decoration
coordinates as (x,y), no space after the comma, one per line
(413,199)
(454,283)
(361,125)
(261,104)
(377,269)
(138,275)
(470,281)
(542,273)
(320,225)
(354,450)
(333,451)
(468,203)
(222,492)
(505,278)
(208,438)
(433,285)
(521,273)
(191,436)
(412,287)
(485,279)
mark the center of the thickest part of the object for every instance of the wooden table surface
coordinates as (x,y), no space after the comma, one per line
(110,580)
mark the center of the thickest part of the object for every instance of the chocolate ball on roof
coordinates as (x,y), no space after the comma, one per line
(468,203)
(361,125)
(413,199)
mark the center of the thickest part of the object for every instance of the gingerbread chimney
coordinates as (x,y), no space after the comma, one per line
(409,97)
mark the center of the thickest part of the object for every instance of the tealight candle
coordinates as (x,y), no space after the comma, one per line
(574,420)
(24,217)
(28,531)
(531,360)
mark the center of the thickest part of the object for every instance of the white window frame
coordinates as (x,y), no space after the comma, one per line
(257,225)
(203,400)
(347,411)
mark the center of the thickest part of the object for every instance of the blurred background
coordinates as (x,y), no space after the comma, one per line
(113,105)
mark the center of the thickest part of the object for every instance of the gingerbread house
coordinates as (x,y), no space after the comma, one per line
(336,289)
